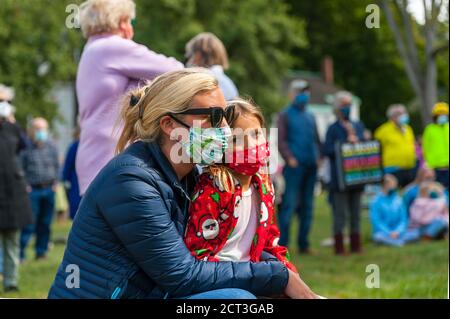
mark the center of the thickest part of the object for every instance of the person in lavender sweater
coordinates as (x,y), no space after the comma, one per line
(110,65)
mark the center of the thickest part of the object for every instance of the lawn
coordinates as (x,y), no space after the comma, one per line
(416,271)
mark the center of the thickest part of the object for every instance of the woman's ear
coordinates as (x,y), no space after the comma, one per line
(167,125)
(172,130)
(126,29)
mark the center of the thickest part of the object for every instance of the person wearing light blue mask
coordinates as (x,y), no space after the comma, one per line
(40,162)
(398,143)
(435,143)
(41,136)
(429,212)
(302,99)
(403,119)
(15,210)
(389,217)
(344,202)
(299,145)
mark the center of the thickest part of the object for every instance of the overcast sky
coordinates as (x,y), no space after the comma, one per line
(416,7)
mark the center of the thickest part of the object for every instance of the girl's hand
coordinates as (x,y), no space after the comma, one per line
(297,289)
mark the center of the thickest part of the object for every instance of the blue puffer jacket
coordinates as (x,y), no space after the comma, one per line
(126,239)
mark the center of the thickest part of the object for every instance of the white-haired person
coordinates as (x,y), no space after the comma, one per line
(398,144)
(207,50)
(111,64)
(344,202)
(15,210)
(40,164)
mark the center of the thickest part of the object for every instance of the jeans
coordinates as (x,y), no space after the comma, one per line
(346,203)
(43,207)
(408,236)
(434,229)
(298,195)
(226,293)
(9,243)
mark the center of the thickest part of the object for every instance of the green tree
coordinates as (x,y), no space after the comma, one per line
(258,34)
(366,61)
(37,53)
(421,66)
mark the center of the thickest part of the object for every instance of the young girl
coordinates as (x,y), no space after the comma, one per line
(232,212)
(429,212)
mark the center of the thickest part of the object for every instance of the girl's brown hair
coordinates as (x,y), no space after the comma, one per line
(220,172)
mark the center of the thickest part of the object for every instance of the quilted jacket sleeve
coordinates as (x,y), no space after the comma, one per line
(141,221)
(280,252)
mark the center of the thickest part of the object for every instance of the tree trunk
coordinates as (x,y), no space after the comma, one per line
(423,79)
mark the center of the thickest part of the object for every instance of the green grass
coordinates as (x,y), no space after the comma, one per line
(418,270)
(415,271)
(35,277)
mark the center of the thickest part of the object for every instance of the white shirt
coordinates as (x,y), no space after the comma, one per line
(237,247)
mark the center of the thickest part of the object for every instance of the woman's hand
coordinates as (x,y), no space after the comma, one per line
(297,289)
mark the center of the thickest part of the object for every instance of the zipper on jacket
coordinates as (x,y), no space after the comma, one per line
(115,293)
(180,188)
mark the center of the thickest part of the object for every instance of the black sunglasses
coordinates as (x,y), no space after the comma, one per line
(216,114)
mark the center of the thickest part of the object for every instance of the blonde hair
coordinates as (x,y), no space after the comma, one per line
(171,92)
(210,47)
(100,16)
(222,174)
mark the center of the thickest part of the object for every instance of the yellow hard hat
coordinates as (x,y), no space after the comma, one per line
(440,108)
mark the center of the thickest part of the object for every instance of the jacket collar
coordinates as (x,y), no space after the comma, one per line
(165,168)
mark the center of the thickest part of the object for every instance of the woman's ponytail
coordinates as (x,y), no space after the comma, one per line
(131,116)
(171,92)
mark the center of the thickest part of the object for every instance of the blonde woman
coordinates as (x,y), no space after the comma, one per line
(111,64)
(127,237)
(206,50)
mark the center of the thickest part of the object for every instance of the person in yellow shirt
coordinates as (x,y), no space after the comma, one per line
(435,143)
(397,145)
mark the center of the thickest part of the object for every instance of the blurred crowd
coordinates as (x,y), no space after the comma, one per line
(412,200)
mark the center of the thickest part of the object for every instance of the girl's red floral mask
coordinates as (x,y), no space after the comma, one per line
(248,161)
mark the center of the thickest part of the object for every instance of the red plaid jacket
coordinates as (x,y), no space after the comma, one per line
(212,219)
